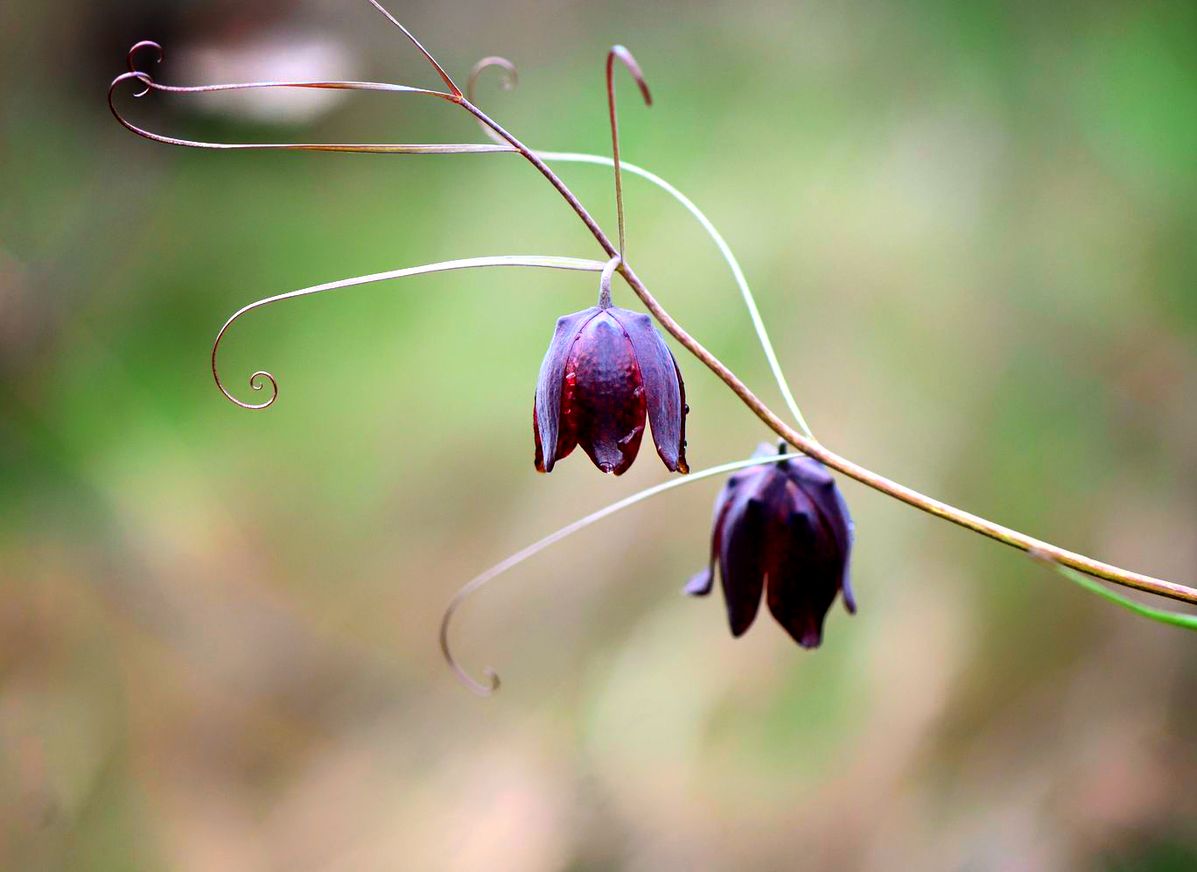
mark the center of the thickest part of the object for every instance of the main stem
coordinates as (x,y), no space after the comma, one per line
(809,446)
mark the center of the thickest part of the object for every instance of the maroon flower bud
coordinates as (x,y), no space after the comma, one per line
(781,527)
(606,370)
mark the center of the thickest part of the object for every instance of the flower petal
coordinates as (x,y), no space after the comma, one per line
(604,395)
(803,577)
(663,389)
(818,483)
(741,563)
(700,583)
(547,411)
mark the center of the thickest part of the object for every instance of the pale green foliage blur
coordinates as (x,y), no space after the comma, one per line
(971,229)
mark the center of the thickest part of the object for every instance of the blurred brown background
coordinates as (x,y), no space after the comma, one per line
(971,227)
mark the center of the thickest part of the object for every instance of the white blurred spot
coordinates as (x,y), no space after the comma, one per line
(277,57)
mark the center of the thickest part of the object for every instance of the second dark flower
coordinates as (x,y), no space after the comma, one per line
(781,529)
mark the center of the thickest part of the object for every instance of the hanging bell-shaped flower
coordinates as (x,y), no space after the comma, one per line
(607,370)
(782,529)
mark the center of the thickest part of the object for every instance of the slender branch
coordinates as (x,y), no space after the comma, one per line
(427,55)
(256,380)
(809,446)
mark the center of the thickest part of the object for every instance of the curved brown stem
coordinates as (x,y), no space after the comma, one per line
(939,509)
(440,71)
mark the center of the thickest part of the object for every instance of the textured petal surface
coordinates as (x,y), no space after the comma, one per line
(602,400)
(664,392)
(546,411)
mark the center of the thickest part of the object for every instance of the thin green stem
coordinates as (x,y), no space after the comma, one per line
(483,578)
(1176,619)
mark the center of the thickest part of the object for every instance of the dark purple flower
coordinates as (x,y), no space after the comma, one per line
(606,370)
(782,528)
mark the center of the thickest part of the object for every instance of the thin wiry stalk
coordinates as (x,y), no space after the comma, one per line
(621,54)
(483,578)
(386,148)
(604,300)
(256,380)
(511,79)
(427,55)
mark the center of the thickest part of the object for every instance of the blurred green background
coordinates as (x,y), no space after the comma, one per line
(972,229)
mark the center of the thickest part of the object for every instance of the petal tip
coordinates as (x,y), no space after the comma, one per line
(700,583)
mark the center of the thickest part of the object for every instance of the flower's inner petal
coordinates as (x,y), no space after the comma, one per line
(804,569)
(665,393)
(602,400)
(816,482)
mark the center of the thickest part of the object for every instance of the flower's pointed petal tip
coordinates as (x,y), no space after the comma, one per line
(611,460)
(738,630)
(664,391)
(807,633)
(741,561)
(538,460)
(849,596)
(742,608)
(811,639)
(700,583)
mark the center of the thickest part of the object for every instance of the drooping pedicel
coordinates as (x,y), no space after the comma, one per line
(782,529)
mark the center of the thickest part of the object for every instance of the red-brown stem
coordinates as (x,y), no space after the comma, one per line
(625,57)
(911,497)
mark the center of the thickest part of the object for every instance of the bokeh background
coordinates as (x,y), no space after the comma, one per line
(971,227)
